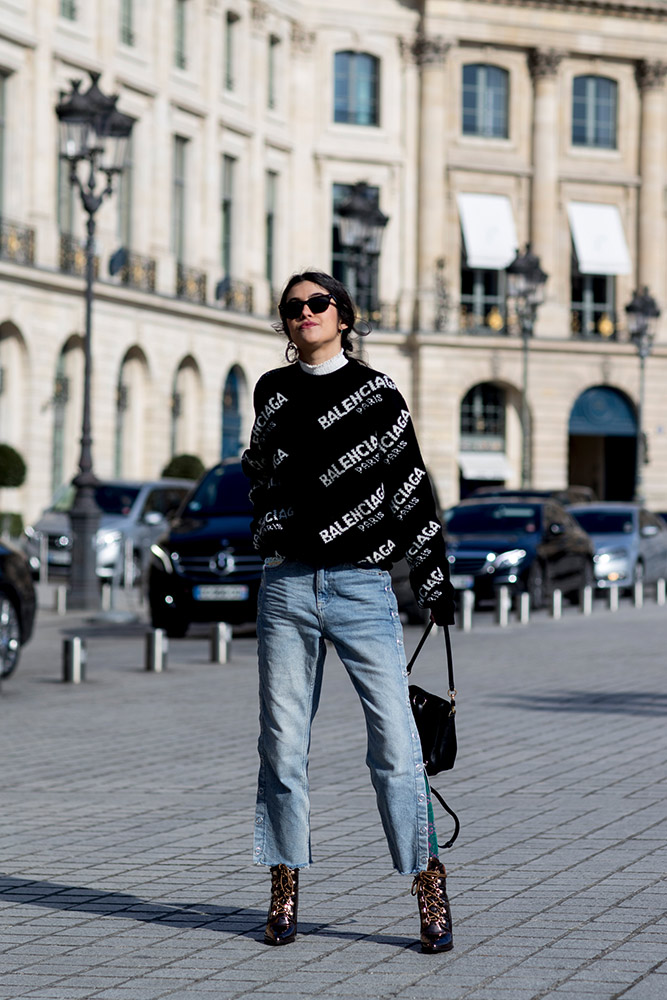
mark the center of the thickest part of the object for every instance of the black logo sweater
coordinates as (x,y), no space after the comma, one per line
(337,476)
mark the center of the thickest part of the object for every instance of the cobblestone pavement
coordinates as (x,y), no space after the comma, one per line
(126,810)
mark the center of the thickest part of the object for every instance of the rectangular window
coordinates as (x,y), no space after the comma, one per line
(68,9)
(271,97)
(483,294)
(126,26)
(594,112)
(178,197)
(593,305)
(125,200)
(3,132)
(485,91)
(227,214)
(231,22)
(180,41)
(356,88)
(270,224)
(362,282)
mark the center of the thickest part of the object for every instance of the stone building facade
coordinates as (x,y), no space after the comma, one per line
(480,125)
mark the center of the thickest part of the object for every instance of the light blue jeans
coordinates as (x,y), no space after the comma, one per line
(355,608)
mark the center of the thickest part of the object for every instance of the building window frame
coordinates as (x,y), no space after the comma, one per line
(483,299)
(232,20)
(180,34)
(485,91)
(483,418)
(367,299)
(179,196)
(126,31)
(68,10)
(227,186)
(594,112)
(356,88)
(592,305)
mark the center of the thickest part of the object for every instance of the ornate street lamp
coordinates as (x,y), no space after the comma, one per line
(93,132)
(525,289)
(642,313)
(361,226)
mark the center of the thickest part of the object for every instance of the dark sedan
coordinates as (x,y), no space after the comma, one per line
(17,606)
(530,545)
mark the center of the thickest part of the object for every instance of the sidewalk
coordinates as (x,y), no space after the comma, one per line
(127,808)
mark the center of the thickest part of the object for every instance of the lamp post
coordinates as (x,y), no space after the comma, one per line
(360,228)
(525,287)
(642,312)
(94,133)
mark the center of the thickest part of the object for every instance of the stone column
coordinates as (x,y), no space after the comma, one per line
(430,54)
(543,65)
(651,212)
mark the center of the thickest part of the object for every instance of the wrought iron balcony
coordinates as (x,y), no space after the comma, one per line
(190,284)
(139,272)
(17,243)
(236,295)
(73,256)
(383,316)
(490,324)
(591,322)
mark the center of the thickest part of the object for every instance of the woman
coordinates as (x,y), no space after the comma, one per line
(340,492)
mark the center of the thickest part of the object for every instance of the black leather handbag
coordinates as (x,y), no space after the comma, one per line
(436,723)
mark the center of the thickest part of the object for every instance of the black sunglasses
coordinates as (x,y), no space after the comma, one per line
(318,303)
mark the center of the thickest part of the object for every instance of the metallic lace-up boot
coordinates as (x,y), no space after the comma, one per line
(281,924)
(436,920)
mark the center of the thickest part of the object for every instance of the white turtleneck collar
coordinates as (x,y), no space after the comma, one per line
(325,367)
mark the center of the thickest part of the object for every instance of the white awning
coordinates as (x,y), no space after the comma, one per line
(488,230)
(485,465)
(598,238)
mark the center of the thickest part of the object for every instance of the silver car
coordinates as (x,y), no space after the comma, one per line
(133,510)
(630,542)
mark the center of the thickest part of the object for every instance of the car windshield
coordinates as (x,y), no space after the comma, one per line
(111,498)
(605,522)
(490,519)
(223,491)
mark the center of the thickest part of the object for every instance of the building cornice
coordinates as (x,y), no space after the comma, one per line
(652,10)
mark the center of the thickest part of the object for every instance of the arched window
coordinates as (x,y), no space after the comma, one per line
(130,430)
(186,409)
(483,418)
(232,419)
(594,111)
(67,403)
(356,88)
(485,93)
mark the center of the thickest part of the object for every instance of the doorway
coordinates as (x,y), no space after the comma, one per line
(603,443)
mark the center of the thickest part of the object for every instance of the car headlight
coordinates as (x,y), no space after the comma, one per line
(163,557)
(603,558)
(107,538)
(510,558)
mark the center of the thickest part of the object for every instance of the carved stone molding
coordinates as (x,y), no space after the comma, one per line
(544,62)
(650,75)
(302,39)
(259,12)
(425,49)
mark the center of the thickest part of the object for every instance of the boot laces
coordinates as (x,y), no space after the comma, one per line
(282,890)
(430,895)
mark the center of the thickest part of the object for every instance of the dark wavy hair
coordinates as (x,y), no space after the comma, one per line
(344,305)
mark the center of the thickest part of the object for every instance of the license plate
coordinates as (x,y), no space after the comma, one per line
(221,592)
(462,582)
(60,558)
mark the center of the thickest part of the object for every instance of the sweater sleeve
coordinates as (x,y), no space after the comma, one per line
(267,521)
(416,524)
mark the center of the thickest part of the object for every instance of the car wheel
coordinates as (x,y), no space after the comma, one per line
(536,586)
(10,636)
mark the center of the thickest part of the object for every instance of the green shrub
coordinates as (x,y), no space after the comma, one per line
(12,466)
(11,524)
(184,467)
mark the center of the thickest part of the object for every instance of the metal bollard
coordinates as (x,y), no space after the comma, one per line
(106,596)
(74,660)
(157,646)
(613,598)
(638,594)
(557,604)
(660,595)
(524,608)
(466,610)
(586,600)
(221,637)
(43,558)
(61,599)
(503,604)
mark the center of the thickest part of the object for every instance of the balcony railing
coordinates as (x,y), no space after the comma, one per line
(190,284)
(236,295)
(17,243)
(384,316)
(490,324)
(139,272)
(593,324)
(73,256)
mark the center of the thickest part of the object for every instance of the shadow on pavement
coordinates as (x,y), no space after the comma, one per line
(226,919)
(613,702)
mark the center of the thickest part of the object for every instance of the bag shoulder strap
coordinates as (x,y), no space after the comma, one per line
(450,659)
